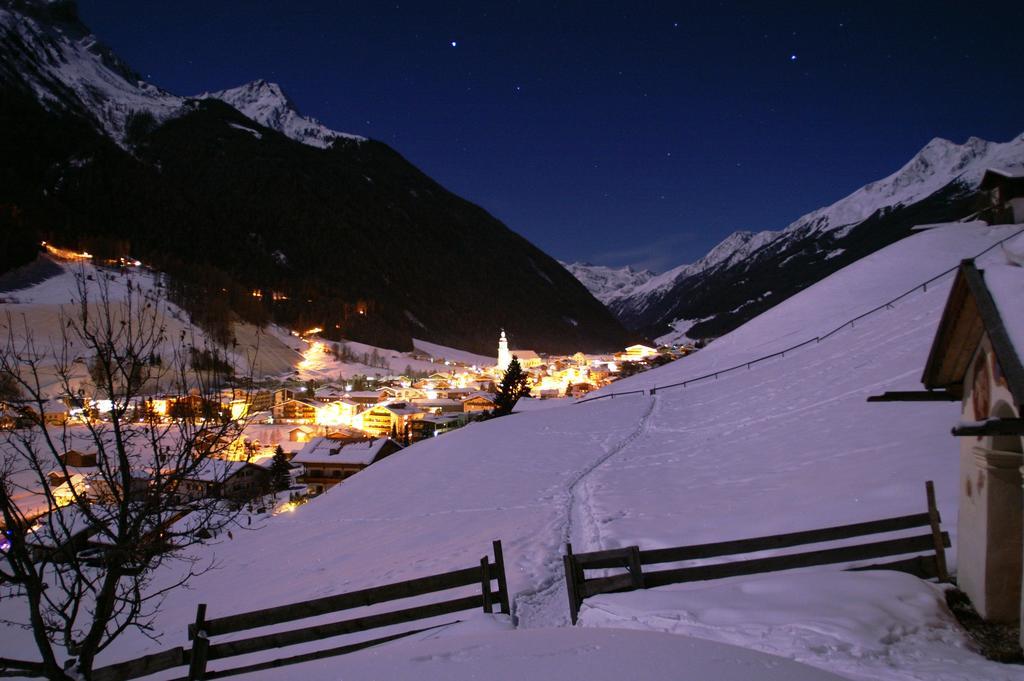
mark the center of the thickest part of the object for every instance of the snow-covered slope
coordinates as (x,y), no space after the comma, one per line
(267,104)
(68,68)
(782,446)
(43,305)
(746,266)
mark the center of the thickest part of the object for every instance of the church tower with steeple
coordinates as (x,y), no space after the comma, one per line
(504,356)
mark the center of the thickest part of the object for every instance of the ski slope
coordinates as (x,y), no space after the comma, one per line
(789,444)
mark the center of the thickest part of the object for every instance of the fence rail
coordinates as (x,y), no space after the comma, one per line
(202,630)
(633,559)
(817,339)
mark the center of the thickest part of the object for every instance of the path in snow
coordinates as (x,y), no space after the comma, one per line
(544,605)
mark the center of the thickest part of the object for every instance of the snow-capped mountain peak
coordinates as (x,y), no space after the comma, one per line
(748,271)
(936,165)
(44,47)
(607,283)
(267,104)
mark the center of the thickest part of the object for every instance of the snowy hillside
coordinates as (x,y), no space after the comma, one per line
(267,104)
(781,446)
(41,305)
(67,67)
(800,253)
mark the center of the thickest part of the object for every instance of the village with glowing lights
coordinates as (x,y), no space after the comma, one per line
(339,408)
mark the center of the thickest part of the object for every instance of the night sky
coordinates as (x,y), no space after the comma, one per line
(640,134)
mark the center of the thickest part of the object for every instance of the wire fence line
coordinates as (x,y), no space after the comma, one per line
(817,339)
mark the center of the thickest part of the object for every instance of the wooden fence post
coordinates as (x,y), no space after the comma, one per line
(499,564)
(485,583)
(934,519)
(570,582)
(200,645)
(636,570)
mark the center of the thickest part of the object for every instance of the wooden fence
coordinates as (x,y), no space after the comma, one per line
(203,650)
(632,558)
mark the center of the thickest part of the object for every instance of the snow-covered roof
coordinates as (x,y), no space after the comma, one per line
(323,450)
(362,394)
(402,409)
(438,402)
(443,419)
(1006,284)
(217,470)
(989,301)
(1000,172)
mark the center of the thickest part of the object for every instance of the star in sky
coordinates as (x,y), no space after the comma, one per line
(455,43)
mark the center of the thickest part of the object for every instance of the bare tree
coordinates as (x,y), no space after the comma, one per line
(149,494)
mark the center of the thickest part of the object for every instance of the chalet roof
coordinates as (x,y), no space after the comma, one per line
(218,470)
(323,450)
(980,302)
(640,346)
(443,419)
(994,177)
(438,402)
(524,354)
(402,409)
(363,395)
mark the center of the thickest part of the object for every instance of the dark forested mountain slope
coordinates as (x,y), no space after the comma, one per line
(351,236)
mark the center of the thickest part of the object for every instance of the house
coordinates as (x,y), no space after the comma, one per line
(433,425)
(295,411)
(78,459)
(301,434)
(261,400)
(217,478)
(579,389)
(975,359)
(636,353)
(56,412)
(438,406)
(528,359)
(363,398)
(384,419)
(479,402)
(326,462)
(1003,192)
(60,534)
(337,412)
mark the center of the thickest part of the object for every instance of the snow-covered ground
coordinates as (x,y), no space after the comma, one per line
(320,364)
(788,444)
(556,655)
(41,305)
(862,625)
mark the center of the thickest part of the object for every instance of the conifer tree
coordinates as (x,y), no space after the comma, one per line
(280,477)
(513,386)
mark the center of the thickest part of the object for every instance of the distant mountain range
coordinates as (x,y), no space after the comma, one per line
(750,272)
(257,212)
